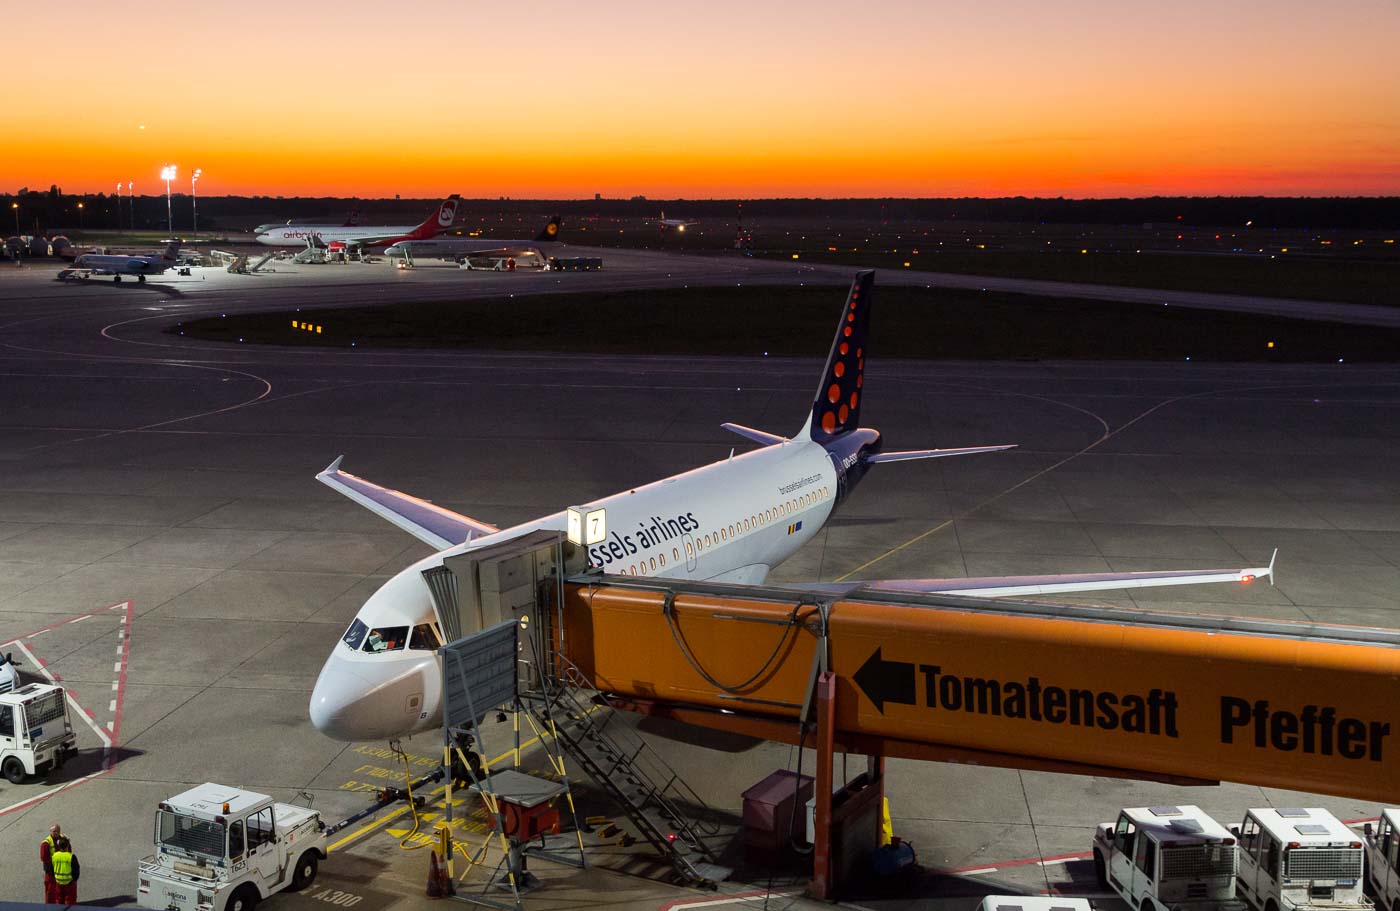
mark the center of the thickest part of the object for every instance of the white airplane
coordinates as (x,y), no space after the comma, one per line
(116,265)
(352,220)
(455,248)
(290,235)
(678,224)
(731,521)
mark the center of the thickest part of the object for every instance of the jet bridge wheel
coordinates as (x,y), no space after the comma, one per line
(305,873)
(13,770)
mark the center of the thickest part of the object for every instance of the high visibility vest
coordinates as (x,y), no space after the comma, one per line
(62,867)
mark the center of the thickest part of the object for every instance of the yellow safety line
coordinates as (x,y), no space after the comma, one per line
(371,826)
(914,540)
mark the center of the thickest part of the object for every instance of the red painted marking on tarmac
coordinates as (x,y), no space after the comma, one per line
(124,631)
(108,752)
(56,624)
(679,903)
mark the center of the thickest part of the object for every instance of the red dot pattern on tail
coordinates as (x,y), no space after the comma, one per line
(846,375)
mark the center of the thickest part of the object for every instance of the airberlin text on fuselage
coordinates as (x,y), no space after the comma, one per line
(1312,729)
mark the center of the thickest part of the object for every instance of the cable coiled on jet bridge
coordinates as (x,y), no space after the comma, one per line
(668,608)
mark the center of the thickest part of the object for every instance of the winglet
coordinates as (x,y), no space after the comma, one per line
(1272,558)
(333,467)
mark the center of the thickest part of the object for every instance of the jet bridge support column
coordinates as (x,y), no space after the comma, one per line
(846,823)
(822,886)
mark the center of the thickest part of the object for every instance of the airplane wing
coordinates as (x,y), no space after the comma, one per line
(442,528)
(375,240)
(1009,586)
(908,454)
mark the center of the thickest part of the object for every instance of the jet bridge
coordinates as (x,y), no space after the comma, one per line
(1180,698)
(1104,691)
(1186,699)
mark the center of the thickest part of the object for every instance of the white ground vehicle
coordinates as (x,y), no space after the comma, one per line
(219,847)
(35,733)
(1383,859)
(1033,903)
(1168,858)
(1300,858)
(9,674)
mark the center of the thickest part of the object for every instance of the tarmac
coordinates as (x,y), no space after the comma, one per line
(166,553)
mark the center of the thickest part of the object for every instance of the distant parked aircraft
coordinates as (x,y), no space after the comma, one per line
(455,248)
(446,217)
(116,265)
(353,219)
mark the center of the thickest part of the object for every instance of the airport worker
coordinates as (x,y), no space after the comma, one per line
(46,849)
(63,864)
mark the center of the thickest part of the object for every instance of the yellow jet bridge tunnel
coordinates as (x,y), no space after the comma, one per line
(1107,691)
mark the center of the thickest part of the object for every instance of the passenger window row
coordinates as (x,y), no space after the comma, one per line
(744,526)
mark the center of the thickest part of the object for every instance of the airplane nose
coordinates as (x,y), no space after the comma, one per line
(338,692)
(355,701)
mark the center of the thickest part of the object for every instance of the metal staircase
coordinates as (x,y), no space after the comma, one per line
(662,808)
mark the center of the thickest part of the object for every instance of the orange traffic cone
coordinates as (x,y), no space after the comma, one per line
(434,876)
(445,879)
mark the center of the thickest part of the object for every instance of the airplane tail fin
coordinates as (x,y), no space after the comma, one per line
(836,407)
(550,231)
(445,217)
(172,248)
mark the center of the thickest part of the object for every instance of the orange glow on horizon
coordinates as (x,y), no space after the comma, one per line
(1081,98)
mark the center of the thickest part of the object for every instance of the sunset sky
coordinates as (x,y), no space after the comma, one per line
(714,99)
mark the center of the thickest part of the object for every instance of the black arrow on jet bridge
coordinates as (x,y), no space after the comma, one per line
(886,681)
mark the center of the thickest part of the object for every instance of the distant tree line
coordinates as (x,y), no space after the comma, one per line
(53,211)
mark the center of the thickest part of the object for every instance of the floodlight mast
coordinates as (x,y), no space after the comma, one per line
(194,199)
(167,174)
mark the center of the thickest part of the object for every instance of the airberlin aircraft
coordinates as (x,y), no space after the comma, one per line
(731,521)
(290,235)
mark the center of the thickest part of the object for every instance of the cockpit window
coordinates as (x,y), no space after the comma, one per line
(424,638)
(355,635)
(386,638)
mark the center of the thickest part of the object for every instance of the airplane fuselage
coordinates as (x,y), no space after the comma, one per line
(109,264)
(731,521)
(297,235)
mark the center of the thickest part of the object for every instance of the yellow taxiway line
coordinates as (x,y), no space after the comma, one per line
(371,826)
